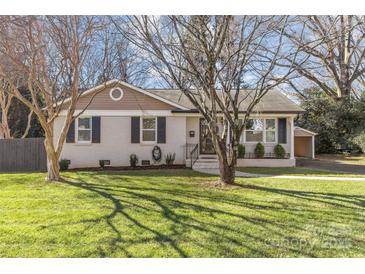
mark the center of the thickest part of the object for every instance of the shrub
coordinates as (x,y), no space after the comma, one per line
(259,150)
(133,160)
(64,163)
(360,141)
(170,158)
(101,163)
(241,151)
(279,151)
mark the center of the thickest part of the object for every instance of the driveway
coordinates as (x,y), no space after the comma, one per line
(331,165)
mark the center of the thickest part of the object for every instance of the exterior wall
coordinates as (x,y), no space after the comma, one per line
(131,100)
(269,147)
(303,146)
(192,123)
(116,143)
(265,162)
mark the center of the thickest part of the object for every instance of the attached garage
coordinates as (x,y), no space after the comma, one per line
(304,143)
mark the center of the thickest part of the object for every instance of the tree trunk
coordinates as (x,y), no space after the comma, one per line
(226,165)
(5,130)
(227,173)
(53,168)
(227,161)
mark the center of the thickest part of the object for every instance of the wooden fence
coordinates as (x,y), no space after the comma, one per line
(20,155)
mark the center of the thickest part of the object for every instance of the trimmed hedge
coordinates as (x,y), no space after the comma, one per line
(241,151)
(279,151)
(259,150)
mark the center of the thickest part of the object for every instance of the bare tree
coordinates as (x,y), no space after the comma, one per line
(121,59)
(5,103)
(211,59)
(48,54)
(334,49)
(6,100)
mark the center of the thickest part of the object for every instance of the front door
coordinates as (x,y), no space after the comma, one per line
(206,143)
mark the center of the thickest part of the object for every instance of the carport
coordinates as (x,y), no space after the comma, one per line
(304,143)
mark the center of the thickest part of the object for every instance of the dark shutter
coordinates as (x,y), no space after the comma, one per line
(96,129)
(71,133)
(161,130)
(282,130)
(135,124)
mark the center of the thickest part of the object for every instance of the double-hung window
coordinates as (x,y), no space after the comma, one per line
(270,130)
(260,130)
(148,129)
(84,130)
(254,130)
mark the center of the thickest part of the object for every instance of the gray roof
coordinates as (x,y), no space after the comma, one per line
(272,102)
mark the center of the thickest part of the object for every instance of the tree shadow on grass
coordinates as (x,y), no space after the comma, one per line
(119,209)
(127,195)
(183,222)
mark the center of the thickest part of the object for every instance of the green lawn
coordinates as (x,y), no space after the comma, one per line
(177,213)
(297,171)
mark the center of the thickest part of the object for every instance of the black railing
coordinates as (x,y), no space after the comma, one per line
(188,149)
(266,156)
(194,155)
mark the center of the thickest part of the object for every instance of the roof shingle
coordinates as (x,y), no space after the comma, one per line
(272,102)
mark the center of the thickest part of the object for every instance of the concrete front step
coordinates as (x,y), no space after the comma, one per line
(196,167)
(215,157)
(207,160)
(206,164)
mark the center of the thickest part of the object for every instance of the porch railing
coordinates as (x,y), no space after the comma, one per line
(194,155)
(188,149)
(266,156)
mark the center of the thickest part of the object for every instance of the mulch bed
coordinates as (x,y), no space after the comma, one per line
(117,168)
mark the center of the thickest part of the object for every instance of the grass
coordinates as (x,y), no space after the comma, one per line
(297,171)
(177,213)
(343,159)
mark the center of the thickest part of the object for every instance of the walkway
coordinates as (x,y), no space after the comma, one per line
(214,171)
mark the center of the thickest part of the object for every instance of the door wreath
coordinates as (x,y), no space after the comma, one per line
(156,154)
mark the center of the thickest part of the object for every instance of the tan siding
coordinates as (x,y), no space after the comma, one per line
(132,100)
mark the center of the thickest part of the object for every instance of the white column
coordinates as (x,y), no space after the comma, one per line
(292,138)
(313,148)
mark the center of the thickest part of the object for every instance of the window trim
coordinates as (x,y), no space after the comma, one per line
(275,131)
(116,98)
(141,129)
(263,131)
(77,130)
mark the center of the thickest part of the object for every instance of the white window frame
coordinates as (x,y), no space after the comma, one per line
(77,130)
(275,131)
(141,130)
(263,130)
